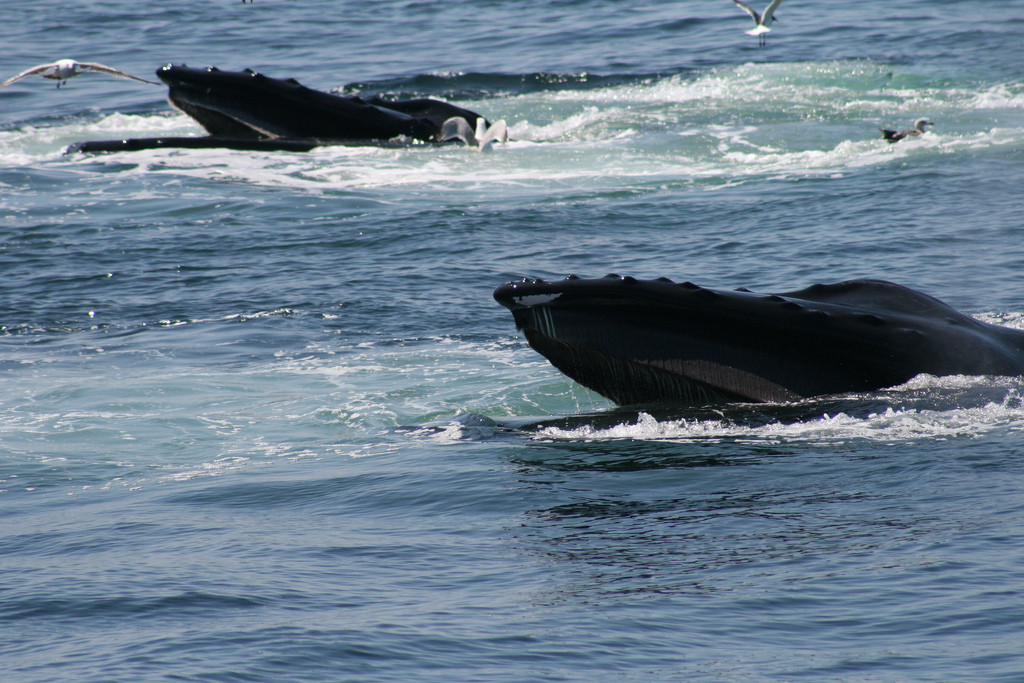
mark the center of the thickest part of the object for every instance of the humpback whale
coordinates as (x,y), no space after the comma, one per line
(656,341)
(248,110)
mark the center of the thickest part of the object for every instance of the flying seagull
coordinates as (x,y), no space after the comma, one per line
(482,140)
(761,21)
(63,69)
(895,136)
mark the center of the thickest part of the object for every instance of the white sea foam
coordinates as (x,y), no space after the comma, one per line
(34,144)
(711,128)
(890,426)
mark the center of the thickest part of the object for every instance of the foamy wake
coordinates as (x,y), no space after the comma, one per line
(717,127)
(894,424)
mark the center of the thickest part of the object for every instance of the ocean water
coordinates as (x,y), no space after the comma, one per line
(262,420)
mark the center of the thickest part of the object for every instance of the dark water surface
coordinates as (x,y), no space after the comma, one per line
(262,419)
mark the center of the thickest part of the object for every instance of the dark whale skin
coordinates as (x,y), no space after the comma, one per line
(657,341)
(246,110)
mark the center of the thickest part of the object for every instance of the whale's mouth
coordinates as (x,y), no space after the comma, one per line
(634,381)
(215,122)
(627,374)
(652,341)
(218,102)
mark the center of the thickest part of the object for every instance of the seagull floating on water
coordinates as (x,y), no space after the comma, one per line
(762,20)
(895,136)
(63,69)
(482,140)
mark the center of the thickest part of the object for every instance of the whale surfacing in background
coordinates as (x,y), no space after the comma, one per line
(657,341)
(249,104)
(248,110)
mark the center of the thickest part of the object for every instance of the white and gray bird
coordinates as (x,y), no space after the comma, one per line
(482,140)
(761,21)
(896,135)
(63,69)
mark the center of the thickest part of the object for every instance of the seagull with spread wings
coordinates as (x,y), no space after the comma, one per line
(63,69)
(482,140)
(761,21)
